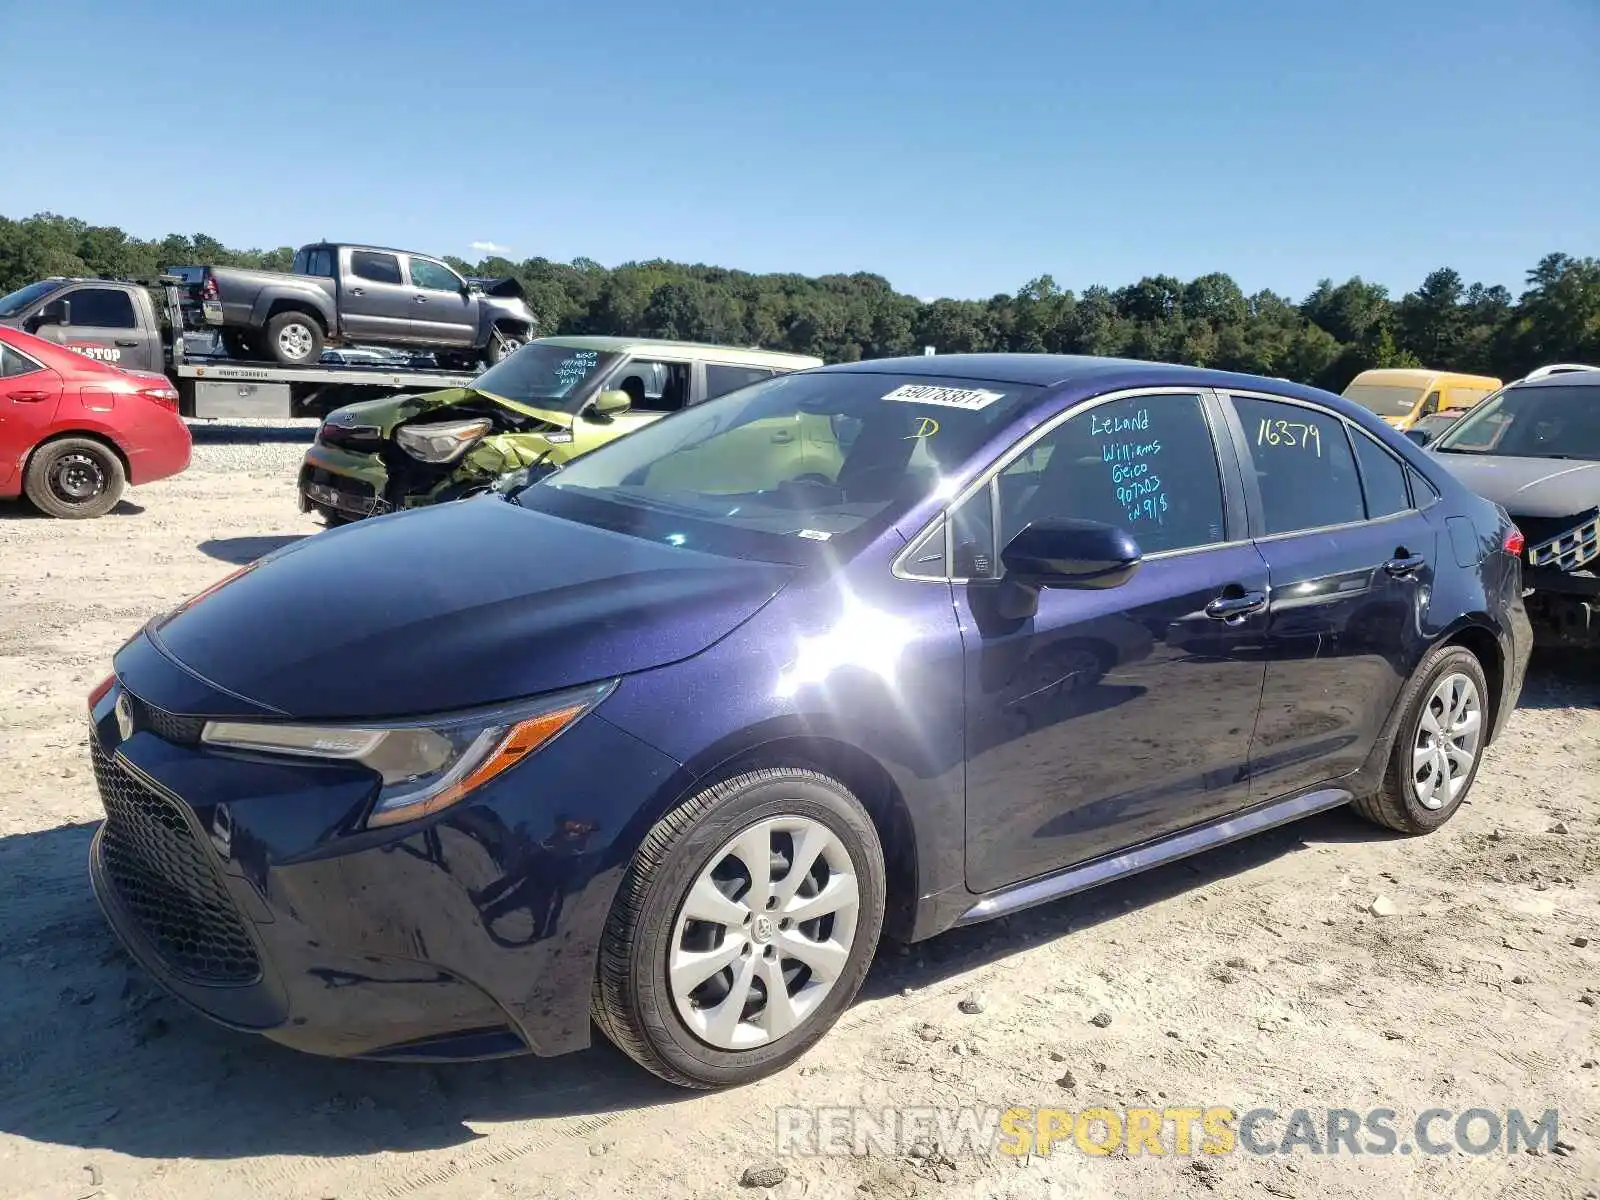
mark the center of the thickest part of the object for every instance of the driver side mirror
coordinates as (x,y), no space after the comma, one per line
(610,403)
(57,312)
(1421,436)
(1062,553)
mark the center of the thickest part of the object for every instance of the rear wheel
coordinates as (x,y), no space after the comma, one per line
(74,478)
(294,339)
(743,928)
(1437,747)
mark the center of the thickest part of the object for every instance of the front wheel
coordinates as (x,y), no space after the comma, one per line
(1438,746)
(74,478)
(743,928)
(501,346)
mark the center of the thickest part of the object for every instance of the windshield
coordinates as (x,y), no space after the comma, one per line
(1385,399)
(777,469)
(1531,422)
(545,376)
(19,300)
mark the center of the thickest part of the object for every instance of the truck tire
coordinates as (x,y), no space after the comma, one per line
(294,339)
(502,345)
(74,478)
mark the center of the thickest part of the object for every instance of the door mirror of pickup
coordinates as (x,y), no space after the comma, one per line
(57,312)
(608,404)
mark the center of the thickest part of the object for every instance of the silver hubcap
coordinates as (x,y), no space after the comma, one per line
(294,341)
(764,933)
(1447,740)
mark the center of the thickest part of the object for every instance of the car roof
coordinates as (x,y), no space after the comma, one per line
(1084,374)
(732,354)
(1563,379)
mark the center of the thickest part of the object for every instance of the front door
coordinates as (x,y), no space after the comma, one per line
(30,393)
(1112,717)
(375,302)
(443,311)
(102,323)
(1350,561)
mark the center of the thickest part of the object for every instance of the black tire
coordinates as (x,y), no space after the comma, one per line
(294,339)
(74,478)
(501,346)
(632,1002)
(1395,805)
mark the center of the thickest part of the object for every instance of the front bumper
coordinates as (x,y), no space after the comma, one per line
(343,483)
(248,888)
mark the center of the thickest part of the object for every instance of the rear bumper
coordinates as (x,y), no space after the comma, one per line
(158,447)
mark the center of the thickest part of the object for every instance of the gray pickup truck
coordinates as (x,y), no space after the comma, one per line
(338,294)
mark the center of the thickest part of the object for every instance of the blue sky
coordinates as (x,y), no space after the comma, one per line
(958,149)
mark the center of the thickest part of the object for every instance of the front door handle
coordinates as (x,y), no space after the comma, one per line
(1234,609)
(127,341)
(1404,565)
(358,291)
(30,397)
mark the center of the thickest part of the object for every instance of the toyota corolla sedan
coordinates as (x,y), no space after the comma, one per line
(659,746)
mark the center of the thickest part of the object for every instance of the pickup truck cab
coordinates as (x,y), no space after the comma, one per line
(337,293)
(102,319)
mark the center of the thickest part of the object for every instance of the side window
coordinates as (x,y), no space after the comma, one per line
(653,385)
(425,274)
(1422,488)
(1146,464)
(1383,478)
(320,262)
(379,268)
(974,553)
(298,266)
(1431,404)
(925,558)
(722,378)
(13,364)
(1303,465)
(101,308)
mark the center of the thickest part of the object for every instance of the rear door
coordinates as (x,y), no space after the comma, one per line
(375,302)
(103,323)
(444,312)
(1350,561)
(30,394)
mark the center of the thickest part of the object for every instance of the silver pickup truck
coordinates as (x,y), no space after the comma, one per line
(339,294)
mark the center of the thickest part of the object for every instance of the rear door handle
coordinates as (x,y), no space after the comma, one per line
(358,291)
(1403,566)
(1235,608)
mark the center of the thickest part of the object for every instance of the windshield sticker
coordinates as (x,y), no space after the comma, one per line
(816,535)
(971,399)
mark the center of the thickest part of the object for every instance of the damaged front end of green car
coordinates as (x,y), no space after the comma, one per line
(407,452)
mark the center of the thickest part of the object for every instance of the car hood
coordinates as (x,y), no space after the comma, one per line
(452,607)
(1528,487)
(392,411)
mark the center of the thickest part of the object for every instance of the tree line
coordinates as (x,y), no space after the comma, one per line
(1324,338)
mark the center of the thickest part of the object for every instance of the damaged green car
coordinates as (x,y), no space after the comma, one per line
(552,400)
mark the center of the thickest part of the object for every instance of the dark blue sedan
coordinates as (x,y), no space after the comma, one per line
(668,739)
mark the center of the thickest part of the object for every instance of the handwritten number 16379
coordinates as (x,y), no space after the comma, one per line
(1289,433)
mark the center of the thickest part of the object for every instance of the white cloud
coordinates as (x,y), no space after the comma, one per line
(491,248)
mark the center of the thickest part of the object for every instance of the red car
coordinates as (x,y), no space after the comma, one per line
(74,432)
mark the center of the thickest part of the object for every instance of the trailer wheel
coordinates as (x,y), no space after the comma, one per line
(294,339)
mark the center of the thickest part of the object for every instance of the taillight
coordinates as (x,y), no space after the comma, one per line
(167,397)
(1515,543)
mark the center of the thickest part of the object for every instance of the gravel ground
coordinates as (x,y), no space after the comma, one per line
(1256,975)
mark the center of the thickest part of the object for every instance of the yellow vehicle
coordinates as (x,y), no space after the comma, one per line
(1402,396)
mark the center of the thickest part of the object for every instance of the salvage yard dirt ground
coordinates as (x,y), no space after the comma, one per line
(1256,975)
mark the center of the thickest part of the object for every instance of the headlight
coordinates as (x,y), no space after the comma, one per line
(429,764)
(442,442)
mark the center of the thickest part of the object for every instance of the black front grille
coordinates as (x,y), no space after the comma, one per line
(167,883)
(169,727)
